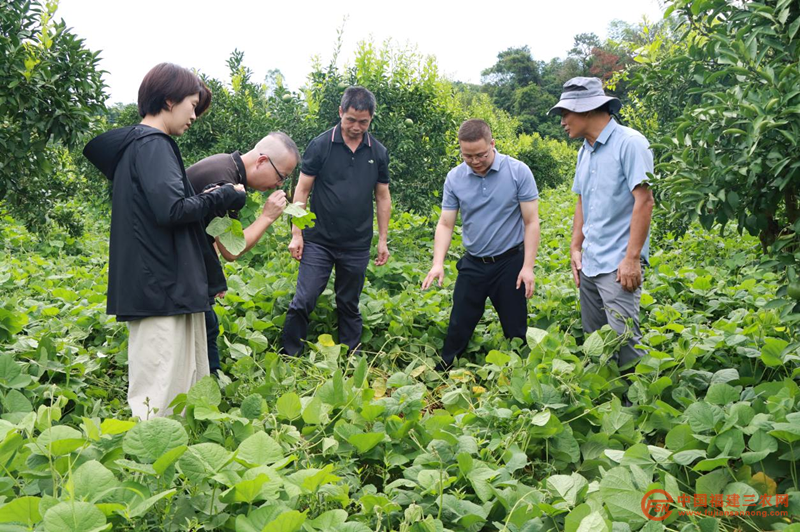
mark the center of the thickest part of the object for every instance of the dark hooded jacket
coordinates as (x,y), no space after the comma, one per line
(160,261)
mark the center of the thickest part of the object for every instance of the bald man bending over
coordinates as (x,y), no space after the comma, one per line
(265,167)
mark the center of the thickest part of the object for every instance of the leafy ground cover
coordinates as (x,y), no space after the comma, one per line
(523,436)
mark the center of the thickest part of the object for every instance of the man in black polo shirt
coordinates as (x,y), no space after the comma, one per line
(345,167)
(265,167)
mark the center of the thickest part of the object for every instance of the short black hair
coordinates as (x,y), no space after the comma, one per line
(167,81)
(474,130)
(359,99)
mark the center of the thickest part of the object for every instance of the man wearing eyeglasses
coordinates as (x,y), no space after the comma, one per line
(498,200)
(343,169)
(265,167)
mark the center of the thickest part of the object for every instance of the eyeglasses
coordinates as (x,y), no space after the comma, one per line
(478,157)
(280,175)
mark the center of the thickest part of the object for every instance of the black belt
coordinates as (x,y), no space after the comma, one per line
(488,260)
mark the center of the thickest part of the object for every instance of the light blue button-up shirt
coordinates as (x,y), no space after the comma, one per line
(491,218)
(605,177)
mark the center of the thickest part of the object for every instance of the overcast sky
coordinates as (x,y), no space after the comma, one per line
(464,36)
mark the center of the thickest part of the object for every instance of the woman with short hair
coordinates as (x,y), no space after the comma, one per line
(161,270)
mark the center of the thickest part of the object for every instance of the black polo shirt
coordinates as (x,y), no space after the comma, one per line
(344,188)
(220,168)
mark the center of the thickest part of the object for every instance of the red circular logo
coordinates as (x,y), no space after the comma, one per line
(652,508)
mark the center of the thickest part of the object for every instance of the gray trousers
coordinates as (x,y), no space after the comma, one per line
(604,301)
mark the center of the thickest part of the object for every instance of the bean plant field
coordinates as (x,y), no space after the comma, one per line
(520,437)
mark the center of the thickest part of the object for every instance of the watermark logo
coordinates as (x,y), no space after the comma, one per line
(658,505)
(657,509)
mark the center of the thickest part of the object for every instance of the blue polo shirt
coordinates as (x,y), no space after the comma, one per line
(491,219)
(605,177)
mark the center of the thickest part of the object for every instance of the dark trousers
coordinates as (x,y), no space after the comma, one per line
(212,333)
(315,269)
(476,281)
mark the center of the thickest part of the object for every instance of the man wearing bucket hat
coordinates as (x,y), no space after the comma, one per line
(610,233)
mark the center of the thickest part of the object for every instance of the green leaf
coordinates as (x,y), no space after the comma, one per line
(332,392)
(788,432)
(621,498)
(711,463)
(702,416)
(15,401)
(74,516)
(712,483)
(295,209)
(312,413)
(360,373)
(744,491)
(730,442)
(168,458)
(568,487)
(289,406)
(319,478)
(364,442)
(251,406)
(234,240)
(574,518)
(593,522)
(300,217)
(593,346)
(328,520)
(92,481)
(290,521)
(21,510)
(218,226)
(60,440)
(203,461)
(772,351)
(205,391)
(259,449)
(722,394)
(760,441)
(679,438)
(141,508)
(462,512)
(685,458)
(115,426)
(245,491)
(150,439)
(497,358)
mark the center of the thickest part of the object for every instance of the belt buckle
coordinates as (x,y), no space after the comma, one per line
(487,260)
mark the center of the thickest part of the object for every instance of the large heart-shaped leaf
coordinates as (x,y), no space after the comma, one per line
(150,439)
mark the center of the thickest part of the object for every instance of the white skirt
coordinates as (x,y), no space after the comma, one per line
(166,356)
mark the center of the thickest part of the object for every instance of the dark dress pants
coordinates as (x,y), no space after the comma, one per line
(476,281)
(212,333)
(315,269)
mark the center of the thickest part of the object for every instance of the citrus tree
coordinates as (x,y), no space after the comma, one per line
(730,154)
(51,90)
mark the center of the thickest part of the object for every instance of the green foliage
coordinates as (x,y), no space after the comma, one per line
(50,93)
(416,118)
(551,161)
(729,156)
(519,434)
(229,232)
